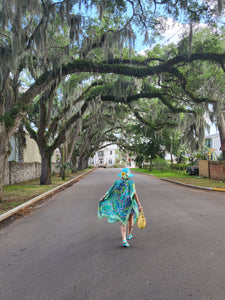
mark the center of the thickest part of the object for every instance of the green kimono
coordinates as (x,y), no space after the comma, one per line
(119,202)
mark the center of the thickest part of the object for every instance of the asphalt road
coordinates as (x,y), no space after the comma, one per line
(63,251)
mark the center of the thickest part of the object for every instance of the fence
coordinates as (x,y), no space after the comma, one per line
(217,169)
(18,172)
(212,169)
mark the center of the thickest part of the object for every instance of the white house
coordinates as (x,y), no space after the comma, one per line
(212,141)
(104,157)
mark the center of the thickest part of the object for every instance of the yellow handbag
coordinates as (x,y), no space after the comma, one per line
(141,221)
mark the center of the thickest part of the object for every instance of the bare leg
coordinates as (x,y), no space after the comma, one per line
(130,223)
(123,232)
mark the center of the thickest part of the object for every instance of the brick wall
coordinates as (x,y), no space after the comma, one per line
(18,172)
(204,168)
(217,169)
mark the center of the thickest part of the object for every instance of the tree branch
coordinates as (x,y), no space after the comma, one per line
(48,95)
(151,124)
(93,67)
(30,130)
(61,136)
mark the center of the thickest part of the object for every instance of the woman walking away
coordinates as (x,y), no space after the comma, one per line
(121,203)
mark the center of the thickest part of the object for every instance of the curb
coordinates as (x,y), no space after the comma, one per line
(194,186)
(187,185)
(32,201)
(218,189)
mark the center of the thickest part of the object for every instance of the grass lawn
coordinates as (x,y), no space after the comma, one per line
(185,178)
(16,194)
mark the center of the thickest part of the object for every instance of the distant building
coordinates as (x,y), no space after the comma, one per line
(212,141)
(104,157)
(28,154)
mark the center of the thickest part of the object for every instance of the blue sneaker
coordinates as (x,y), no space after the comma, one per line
(129,237)
(125,244)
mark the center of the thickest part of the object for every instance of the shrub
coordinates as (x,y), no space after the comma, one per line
(179,166)
(160,164)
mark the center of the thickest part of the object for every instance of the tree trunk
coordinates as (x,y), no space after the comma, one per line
(74,164)
(45,168)
(150,165)
(4,154)
(5,149)
(80,164)
(83,163)
(221,127)
(75,135)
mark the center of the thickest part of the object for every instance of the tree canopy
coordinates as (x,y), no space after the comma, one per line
(46,41)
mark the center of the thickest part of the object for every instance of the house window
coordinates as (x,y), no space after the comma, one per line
(110,162)
(208,143)
(100,153)
(91,161)
(111,152)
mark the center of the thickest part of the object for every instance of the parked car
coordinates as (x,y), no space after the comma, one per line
(193,170)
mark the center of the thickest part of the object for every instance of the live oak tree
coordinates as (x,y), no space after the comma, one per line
(213,82)
(101,125)
(207,79)
(54,115)
(37,36)
(162,122)
(147,144)
(32,39)
(49,39)
(166,94)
